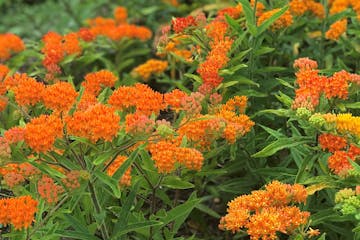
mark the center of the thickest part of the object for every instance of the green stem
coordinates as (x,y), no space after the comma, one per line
(103,229)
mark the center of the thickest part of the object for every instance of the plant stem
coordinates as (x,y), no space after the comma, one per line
(46,218)
(103,228)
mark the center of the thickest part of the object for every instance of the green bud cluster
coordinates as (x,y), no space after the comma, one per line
(344,194)
(303,113)
(317,120)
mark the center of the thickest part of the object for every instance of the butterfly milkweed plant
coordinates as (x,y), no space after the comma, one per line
(180,120)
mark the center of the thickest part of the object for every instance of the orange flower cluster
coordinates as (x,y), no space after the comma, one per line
(265,212)
(336,29)
(174,46)
(48,190)
(96,122)
(312,85)
(237,124)
(215,60)
(115,165)
(41,132)
(59,96)
(140,96)
(118,28)
(300,7)
(18,211)
(26,170)
(71,181)
(120,15)
(5,151)
(174,99)
(27,90)
(284,21)
(166,154)
(138,123)
(4,70)
(202,130)
(332,142)
(228,122)
(339,162)
(180,24)
(151,66)
(56,47)
(338,6)
(233,12)
(9,44)
(96,80)
(15,134)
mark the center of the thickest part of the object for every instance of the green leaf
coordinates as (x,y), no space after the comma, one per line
(193,76)
(249,16)
(263,50)
(109,181)
(355,105)
(135,226)
(233,24)
(122,225)
(75,235)
(280,144)
(266,24)
(175,182)
(208,210)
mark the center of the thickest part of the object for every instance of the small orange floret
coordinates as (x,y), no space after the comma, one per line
(336,30)
(126,178)
(48,190)
(120,14)
(28,91)
(96,122)
(41,132)
(332,142)
(9,44)
(284,21)
(59,96)
(18,211)
(96,80)
(152,66)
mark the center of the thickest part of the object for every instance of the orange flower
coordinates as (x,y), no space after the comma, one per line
(96,80)
(339,163)
(71,44)
(138,123)
(71,181)
(305,64)
(216,59)
(120,14)
(141,96)
(174,99)
(236,103)
(28,91)
(331,142)
(96,122)
(4,70)
(336,30)
(48,190)
(18,211)
(41,132)
(15,134)
(115,165)
(191,158)
(180,24)
(85,34)
(265,212)
(87,99)
(339,6)
(337,85)
(59,96)
(163,154)
(284,21)
(233,12)
(151,66)
(299,7)
(9,44)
